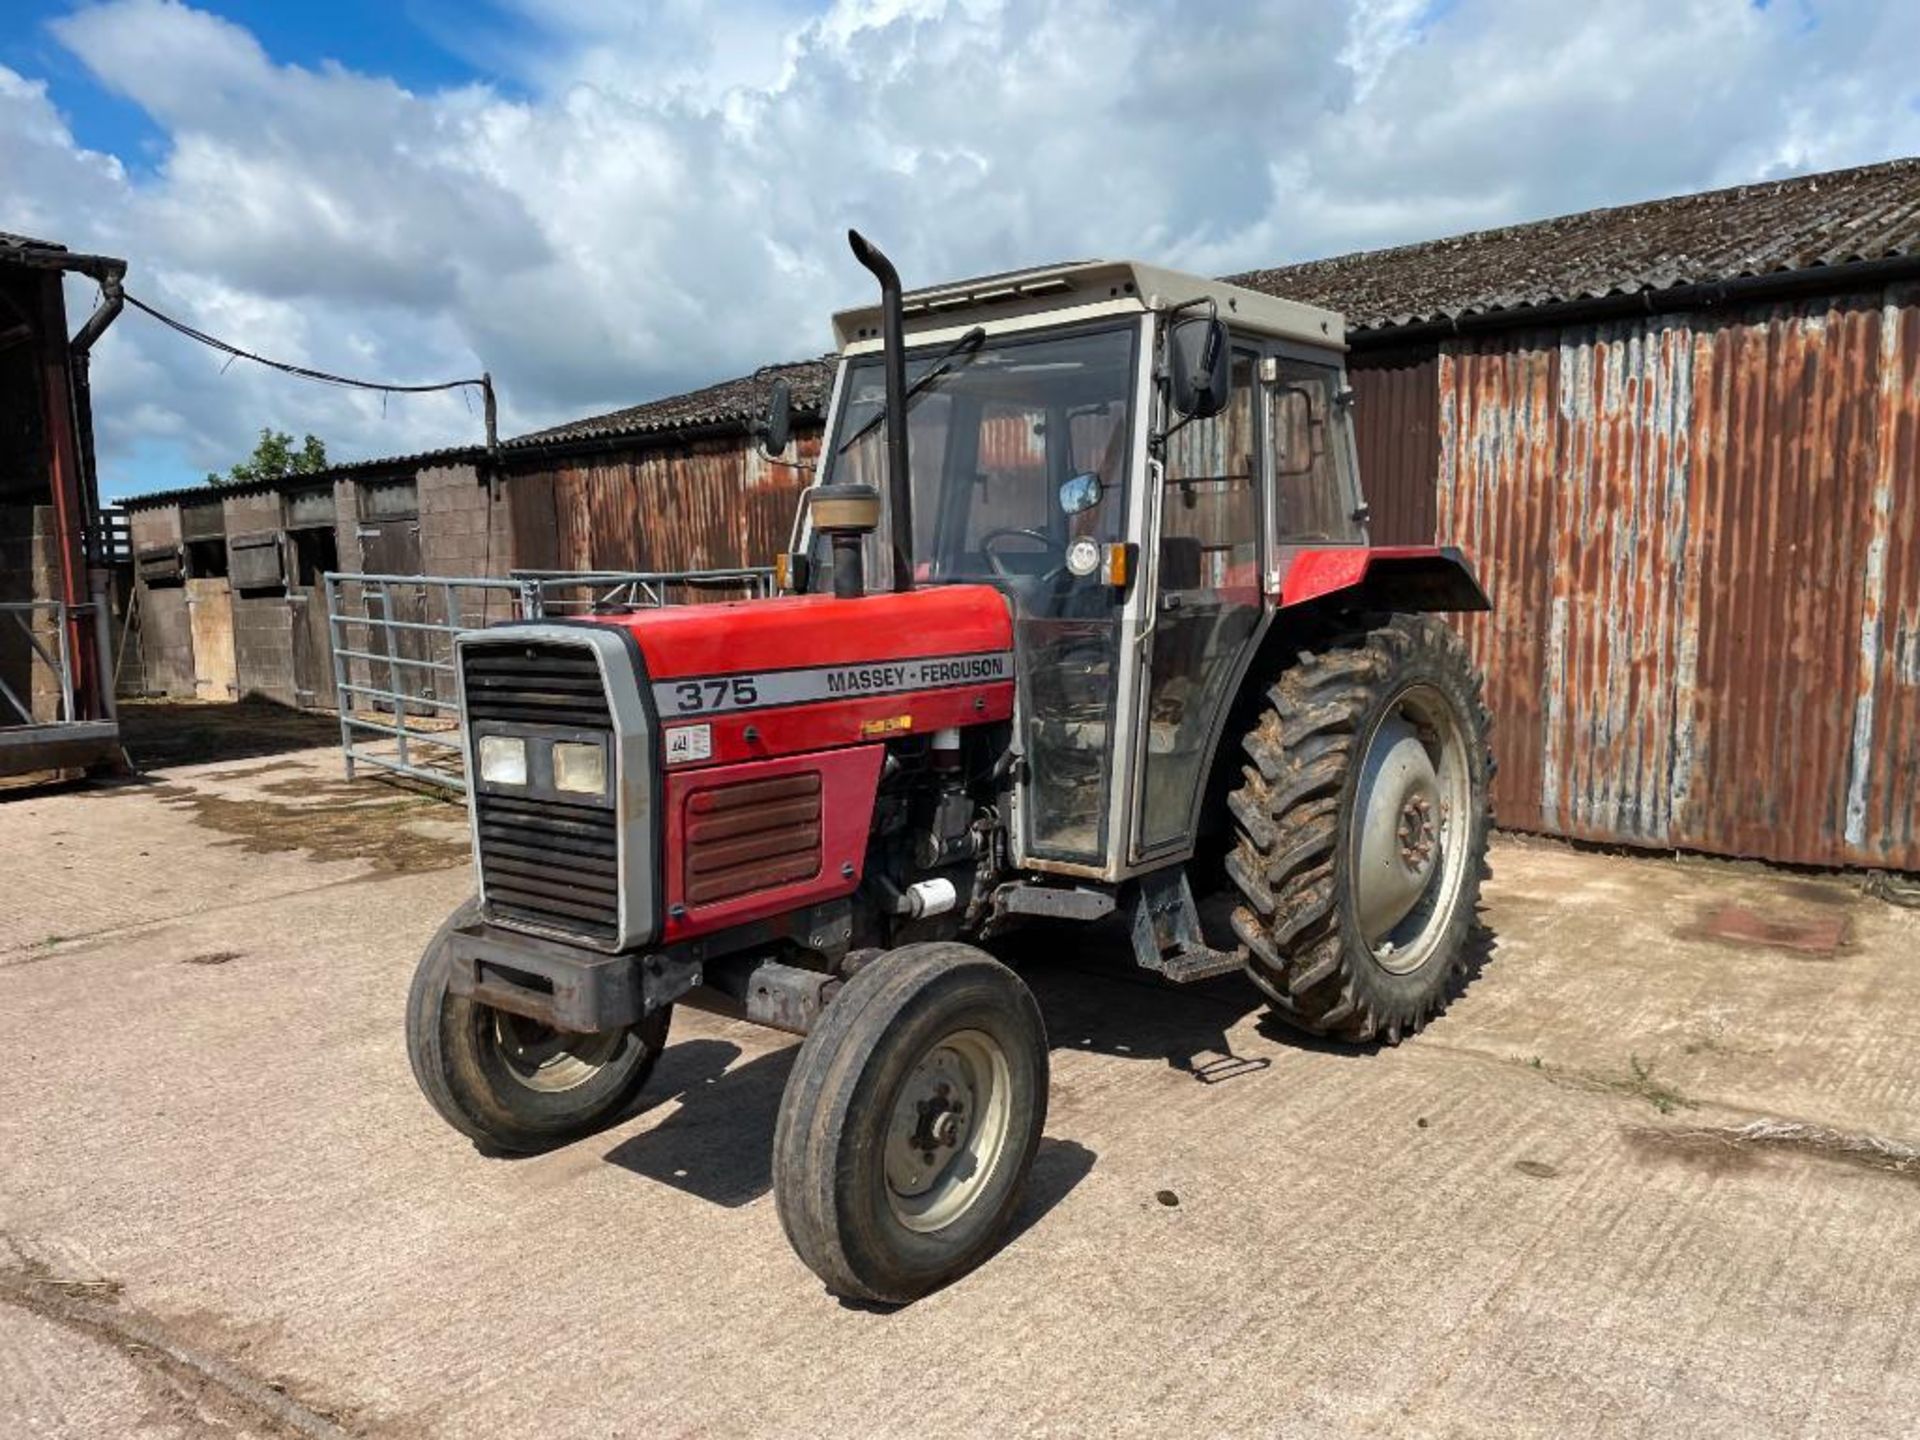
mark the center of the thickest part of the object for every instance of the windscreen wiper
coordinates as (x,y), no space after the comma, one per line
(967,343)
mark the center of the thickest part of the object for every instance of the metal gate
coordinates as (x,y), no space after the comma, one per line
(392,642)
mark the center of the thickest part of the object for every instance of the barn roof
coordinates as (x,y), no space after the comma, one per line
(379,468)
(730,402)
(1806,223)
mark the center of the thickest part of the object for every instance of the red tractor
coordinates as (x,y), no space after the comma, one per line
(1081,615)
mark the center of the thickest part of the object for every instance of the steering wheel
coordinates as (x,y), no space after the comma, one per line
(1004,532)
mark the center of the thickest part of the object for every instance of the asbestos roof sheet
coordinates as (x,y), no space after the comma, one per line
(730,402)
(378,468)
(1835,218)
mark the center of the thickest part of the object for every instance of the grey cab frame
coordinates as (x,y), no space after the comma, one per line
(1272,365)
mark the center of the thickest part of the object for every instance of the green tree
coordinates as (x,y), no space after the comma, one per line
(275,457)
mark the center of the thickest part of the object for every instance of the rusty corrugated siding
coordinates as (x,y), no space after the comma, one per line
(1497,487)
(1699,534)
(1396,429)
(712,504)
(1883,793)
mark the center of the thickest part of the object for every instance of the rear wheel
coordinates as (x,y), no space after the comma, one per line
(1361,831)
(513,1083)
(910,1122)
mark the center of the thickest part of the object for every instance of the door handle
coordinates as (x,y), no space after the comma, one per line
(1150,546)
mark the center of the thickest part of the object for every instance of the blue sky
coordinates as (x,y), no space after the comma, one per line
(603,201)
(416,42)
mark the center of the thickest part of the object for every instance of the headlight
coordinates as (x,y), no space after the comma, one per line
(579,769)
(503,759)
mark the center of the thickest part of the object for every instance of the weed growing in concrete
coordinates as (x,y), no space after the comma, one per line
(1638,1083)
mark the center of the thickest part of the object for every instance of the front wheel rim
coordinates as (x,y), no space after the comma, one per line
(1412,829)
(947,1133)
(544,1059)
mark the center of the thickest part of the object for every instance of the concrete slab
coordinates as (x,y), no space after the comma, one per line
(1537,1218)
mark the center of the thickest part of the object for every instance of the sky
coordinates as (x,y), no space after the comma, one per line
(603,203)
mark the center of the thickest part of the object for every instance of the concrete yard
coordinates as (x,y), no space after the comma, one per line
(1638,1180)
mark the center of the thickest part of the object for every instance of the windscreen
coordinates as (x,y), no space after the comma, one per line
(990,438)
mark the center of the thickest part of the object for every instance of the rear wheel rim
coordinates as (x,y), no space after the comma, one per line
(1412,812)
(541,1058)
(948,1130)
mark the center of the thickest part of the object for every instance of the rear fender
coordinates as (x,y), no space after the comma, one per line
(1385,577)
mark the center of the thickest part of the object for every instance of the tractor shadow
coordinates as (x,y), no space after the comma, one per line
(717,1142)
(714,1140)
(1095,998)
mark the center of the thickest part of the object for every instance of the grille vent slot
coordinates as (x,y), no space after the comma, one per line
(536,685)
(752,836)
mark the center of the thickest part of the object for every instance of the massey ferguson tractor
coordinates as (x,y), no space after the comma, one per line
(1080,619)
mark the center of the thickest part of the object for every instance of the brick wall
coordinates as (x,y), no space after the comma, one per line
(463,529)
(466,531)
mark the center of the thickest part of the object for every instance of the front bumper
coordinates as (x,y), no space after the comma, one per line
(564,986)
(581,991)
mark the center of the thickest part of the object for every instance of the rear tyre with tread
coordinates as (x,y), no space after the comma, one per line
(1360,830)
(910,1122)
(510,1084)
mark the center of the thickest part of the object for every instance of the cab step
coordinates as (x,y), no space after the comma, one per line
(1166,931)
(1197,962)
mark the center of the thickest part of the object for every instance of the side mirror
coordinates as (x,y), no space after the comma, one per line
(1198,367)
(1082,492)
(777,429)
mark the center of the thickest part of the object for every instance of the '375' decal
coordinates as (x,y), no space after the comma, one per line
(729,692)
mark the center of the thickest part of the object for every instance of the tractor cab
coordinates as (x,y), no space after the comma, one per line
(1132,456)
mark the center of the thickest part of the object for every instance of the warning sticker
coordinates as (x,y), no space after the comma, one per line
(689,742)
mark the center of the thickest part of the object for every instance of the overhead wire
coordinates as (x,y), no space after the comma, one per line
(484,382)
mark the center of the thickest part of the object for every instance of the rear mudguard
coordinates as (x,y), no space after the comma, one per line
(1384,577)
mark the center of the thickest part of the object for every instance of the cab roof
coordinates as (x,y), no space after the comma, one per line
(1088,287)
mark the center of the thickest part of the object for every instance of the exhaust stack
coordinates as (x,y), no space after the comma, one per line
(893,341)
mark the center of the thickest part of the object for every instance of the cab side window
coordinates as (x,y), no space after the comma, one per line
(1313,502)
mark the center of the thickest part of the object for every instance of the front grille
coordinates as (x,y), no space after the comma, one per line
(535,685)
(752,835)
(552,865)
(544,862)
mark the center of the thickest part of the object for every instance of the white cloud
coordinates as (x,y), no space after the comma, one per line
(662,196)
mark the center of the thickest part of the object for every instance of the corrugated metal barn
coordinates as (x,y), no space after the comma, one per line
(1680,440)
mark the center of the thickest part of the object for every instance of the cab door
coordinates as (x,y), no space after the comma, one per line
(1316,492)
(1206,608)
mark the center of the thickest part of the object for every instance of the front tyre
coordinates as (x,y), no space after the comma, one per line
(511,1083)
(1361,831)
(910,1121)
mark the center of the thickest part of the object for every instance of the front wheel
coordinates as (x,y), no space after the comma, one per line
(910,1121)
(1361,831)
(511,1083)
